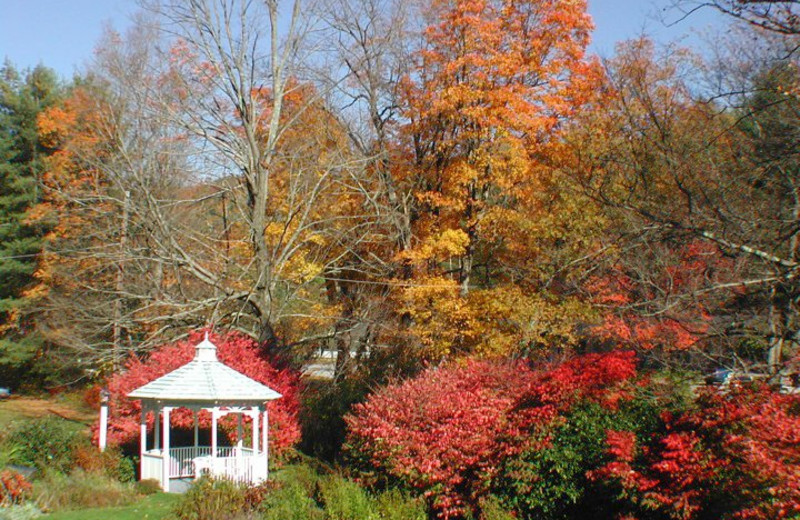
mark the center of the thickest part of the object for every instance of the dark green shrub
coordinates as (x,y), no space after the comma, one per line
(301,492)
(322,415)
(126,470)
(212,499)
(345,500)
(48,444)
(293,498)
(302,475)
(549,480)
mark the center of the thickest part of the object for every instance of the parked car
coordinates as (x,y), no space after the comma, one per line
(725,377)
(718,376)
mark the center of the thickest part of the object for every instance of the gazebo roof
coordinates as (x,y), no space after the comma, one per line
(205,380)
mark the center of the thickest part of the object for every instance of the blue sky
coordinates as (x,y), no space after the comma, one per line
(58,33)
(62,33)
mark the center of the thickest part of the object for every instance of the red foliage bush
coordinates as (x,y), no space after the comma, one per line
(14,488)
(441,431)
(447,431)
(450,432)
(236,350)
(735,455)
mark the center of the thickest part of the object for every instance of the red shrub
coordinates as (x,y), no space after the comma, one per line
(14,488)
(734,456)
(447,431)
(236,350)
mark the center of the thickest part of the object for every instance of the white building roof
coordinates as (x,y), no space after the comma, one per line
(205,379)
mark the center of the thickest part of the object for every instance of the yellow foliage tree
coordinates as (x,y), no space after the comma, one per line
(496,81)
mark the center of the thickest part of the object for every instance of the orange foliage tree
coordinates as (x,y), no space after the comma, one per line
(485,107)
(84,209)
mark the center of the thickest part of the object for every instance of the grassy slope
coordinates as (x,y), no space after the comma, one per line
(152,507)
(19,408)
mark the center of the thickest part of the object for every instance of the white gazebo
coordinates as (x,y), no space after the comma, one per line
(204,383)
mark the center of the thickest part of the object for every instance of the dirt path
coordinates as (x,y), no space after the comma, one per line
(21,407)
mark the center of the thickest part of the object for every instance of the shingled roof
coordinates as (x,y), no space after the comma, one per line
(205,379)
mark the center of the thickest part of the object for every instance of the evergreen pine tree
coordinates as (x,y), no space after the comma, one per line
(22,97)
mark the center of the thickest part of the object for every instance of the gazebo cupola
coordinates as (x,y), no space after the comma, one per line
(204,383)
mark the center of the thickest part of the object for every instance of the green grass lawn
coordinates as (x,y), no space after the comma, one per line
(152,507)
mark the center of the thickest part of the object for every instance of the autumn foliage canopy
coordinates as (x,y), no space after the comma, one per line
(540,252)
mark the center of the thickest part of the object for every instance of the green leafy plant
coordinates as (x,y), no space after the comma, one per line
(297,485)
(548,479)
(345,500)
(48,443)
(291,502)
(396,505)
(300,475)
(492,509)
(212,499)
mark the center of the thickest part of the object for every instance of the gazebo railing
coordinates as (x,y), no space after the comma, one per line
(238,464)
(151,465)
(248,469)
(181,460)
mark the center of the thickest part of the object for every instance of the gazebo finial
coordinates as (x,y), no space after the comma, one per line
(205,350)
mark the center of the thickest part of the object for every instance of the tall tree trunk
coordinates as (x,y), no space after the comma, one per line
(117,355)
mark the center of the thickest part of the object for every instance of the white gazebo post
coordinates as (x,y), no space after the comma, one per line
(142,437)
(240,469)
(165,466)
(195,414)
(213,433)
(265,444)
(254,415)
(103,431)
(239,432)
(157,429)
(204,383)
